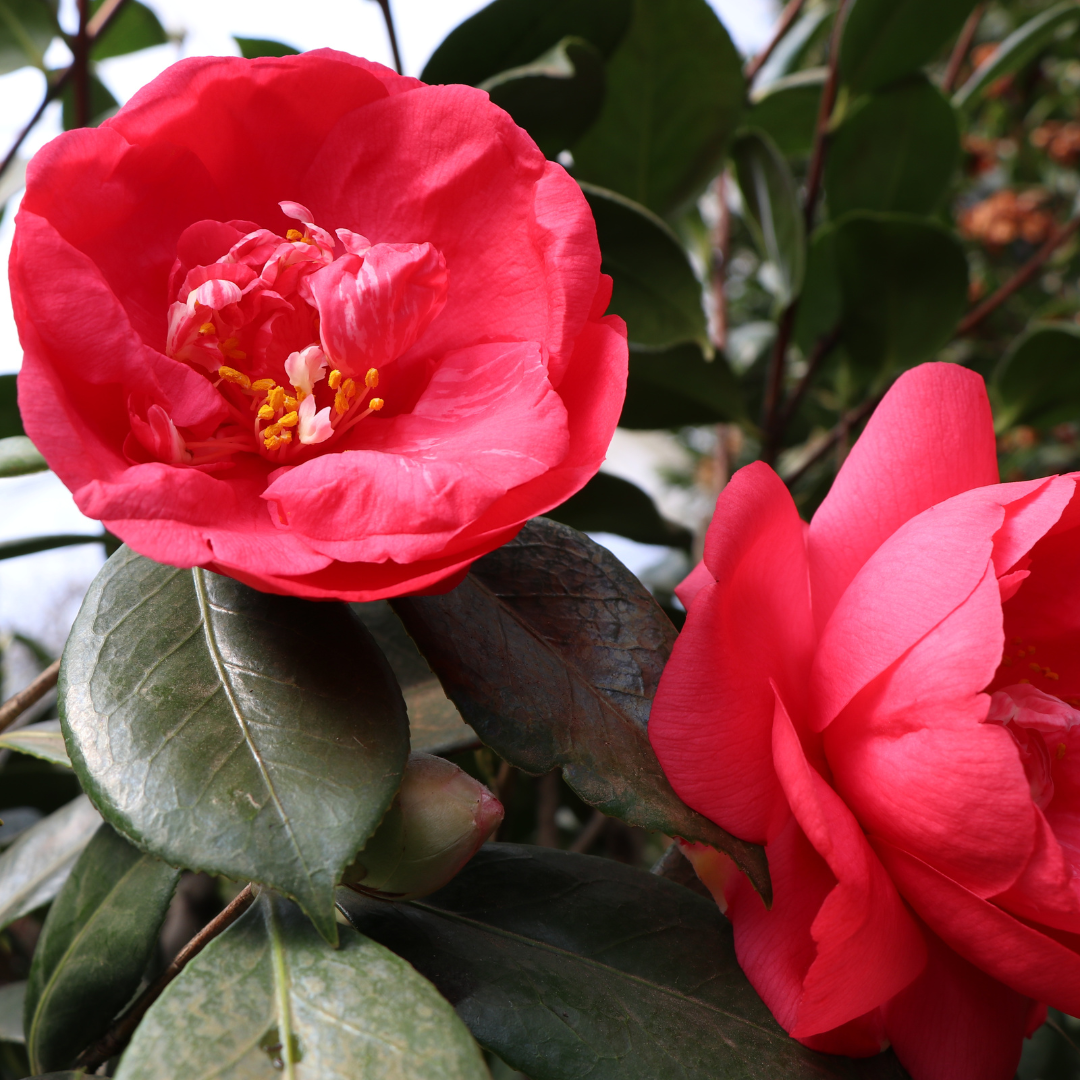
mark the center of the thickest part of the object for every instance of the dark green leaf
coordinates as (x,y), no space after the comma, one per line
(232,731)
(897,151)
(655,289)
(26,29)
(679,387)
(552,650)
(674,95)
(94,947)
(884,40)
(557,97)
(610,504)
(135,27)
(1038,379)
(250,48)
(821,304)
(11,1012)
(1022,45)
(10,420)
(772,209)
(60,1076)
(34,868)
(13,549)
(809,28)
(269,997)
(102,103)
(44,741)
(787,110)
(19,456)
(512,33)
(569,966)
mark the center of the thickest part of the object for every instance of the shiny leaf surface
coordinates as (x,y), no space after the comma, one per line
(250,48)
(135,27)
(679,386)
(787,111)
(26,28)
(44,741)
(11,1012)
(19,456)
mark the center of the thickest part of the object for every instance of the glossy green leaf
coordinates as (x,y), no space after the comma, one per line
(897,151)
(1038,379)
(511,33)
(885,40)
(679,386)
(13,549)
(10,420)
(610,504)
(1021,46)
(26,29)
(35,867)
(569,966)
(552,650)
(674,96)
(44,741)
(557,97)
(98,938)
(787,111)
(19,456)
(102,103)
(250,48)
(135,27)
(654,286)
(270,998)
(223,729)
(772,209)
(821,305)
(785,59)
(11,1012)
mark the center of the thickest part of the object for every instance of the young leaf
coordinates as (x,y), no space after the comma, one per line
(679,387)
(270,997)
(26,29)
(232,731)
(787,111)
(674,95)
(10,420)
(19,456)
(1038,379)
(250,48)
(772,209)
(94,947)
(569,966)
(34,868)
(44,741)
(135,27)
(552,650)
(898,151)
(511,33)
(655,289)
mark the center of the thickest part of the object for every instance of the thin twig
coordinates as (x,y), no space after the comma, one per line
(591,833)
(783,25)
(775,384)
(824,346)
(721,244)
(839,430)
(116,1038)
(81,68)
(962,48)
(388,18)
(547,805)
(15,706)
(1019,279)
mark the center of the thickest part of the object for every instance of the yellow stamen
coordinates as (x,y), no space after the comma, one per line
(266,413)
(290,419)
(1052,675)
(334,379)
(263,385)
(376,403)
(276,398)
(294,235)
(232,375)
(271,431)
(229,348)
(348,388)
(1060,751)
(371,379)
(341,403)
(291,402)
(207,328)
(300,395)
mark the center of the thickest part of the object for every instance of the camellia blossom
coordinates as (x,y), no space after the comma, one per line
(313,325)
(889,700)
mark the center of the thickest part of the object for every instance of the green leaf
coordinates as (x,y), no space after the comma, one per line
(610,504)
(11,1012)
(809,28)
(511,33)
(19,456)
(34,868)
(557,97)
(569,966)
(678,387)
(1038,379)
(250,48)
(26,29)
(269,997)
(13,549)
(135,27)
(552,650)
(10,420)
(655,289)
(102,103)
(1021,46)
(674,95)
(44,741)
(772,209)
(223,729)
(787,111)
(884,40)
(898,151)
(99,936)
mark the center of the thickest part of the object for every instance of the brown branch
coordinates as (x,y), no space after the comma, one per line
(783,25)
(117,1037)
(81,68)
(838,432)
(16,705)
(547,805)
(822,348)
(591,833)
(388,18)
(962,48)
(1019,279)
(721,244)
(775,383)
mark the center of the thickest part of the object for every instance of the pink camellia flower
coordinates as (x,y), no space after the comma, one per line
(889,700)
(313,325)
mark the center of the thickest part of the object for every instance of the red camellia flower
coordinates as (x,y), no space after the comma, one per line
(313,325)
(889,700)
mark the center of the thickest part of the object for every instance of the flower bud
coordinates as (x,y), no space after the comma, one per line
(436,823)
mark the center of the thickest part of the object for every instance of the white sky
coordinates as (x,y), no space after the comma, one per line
(39,594)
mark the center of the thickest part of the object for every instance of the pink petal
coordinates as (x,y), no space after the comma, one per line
(693,583)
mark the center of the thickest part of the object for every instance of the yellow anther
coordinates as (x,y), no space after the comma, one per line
(1051,674)
(376,403)
(271,431)
(276,398)
(285,436)
(334,379)
(348,388)
(263,385)
(207,328)
(1035,667)
(272,442)
(371,379)
(266,413)
(300,395)
(1060,752)
(290,419)
(294,235)
(229,348)
(232,375)
(341,403)
(291,402)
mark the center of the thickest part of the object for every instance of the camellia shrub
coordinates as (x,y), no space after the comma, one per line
(367,760)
